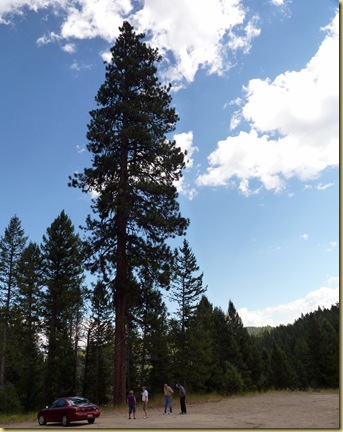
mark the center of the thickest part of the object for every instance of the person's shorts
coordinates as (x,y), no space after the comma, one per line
(132,409)
(145,405)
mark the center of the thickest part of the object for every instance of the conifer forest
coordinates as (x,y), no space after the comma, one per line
(84,312)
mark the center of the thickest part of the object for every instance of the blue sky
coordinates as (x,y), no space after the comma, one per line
(255,84)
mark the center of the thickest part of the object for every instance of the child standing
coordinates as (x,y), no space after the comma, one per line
(131,401)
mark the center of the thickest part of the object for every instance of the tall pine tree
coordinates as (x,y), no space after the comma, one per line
(134,171)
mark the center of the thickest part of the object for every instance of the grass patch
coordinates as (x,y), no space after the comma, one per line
(8,418)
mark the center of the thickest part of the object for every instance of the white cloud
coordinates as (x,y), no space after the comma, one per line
(185,142)
(80,149)
(192,35)
(287,313)
(48,38)
(87,19)
(304,237)
(324,186)
(332,245)
(69,48)
(79,66)
(293,126)
(244,42)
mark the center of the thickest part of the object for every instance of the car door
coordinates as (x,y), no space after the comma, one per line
(61,409)
(53,412)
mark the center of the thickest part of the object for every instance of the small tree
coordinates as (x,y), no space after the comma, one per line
(186,290)
(187,287)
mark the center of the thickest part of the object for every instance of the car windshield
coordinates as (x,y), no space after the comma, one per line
(78,401)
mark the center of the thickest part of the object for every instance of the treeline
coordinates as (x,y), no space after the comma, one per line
(57,334)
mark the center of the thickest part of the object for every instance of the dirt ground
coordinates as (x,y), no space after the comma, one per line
(275,410)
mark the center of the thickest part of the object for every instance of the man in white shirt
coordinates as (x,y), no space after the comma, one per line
(145,398)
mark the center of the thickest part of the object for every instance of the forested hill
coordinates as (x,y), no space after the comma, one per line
(258,330)
(304,354)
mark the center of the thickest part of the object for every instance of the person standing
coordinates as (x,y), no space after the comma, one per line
(182,398)
(168,399)
(131,401)
(145,398)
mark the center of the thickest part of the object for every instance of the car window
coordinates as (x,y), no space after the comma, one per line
(54,404)
(61,403)
(78,401)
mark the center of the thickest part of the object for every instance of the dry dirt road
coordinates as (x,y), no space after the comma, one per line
(272,410)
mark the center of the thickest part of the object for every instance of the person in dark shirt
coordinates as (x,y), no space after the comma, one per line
(182,392)
(131,401)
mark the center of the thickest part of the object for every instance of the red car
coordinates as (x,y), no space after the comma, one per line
(69,409)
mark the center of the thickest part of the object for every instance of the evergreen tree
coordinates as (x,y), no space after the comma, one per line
(153,358)
(247,360)
(226,349)
(99,347)
(134,171)
(201,356)
(62,302)
(302,359)
(28,328)
(12,244)
(284,376)
(186,289)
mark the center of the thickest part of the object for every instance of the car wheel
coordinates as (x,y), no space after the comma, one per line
(41,420)
(91,421)
(65,421)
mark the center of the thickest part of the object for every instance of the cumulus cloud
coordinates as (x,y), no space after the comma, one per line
(196,35)
(287,313)
(293,122)
(191,35)
(87,19)
(185,142)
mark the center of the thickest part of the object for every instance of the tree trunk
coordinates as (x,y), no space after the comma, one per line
(119,389)
(121,287)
